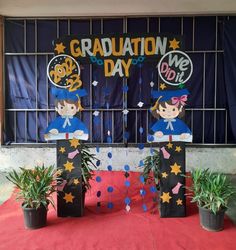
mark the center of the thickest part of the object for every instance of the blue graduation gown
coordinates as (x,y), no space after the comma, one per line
(179,127)
(75,124)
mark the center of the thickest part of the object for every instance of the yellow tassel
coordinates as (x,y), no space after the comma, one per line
(80,106)
(156,104)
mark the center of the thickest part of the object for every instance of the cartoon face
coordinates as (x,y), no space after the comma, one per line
(69,109)
(168,111)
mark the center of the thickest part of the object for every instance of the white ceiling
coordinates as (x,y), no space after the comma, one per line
(59,8)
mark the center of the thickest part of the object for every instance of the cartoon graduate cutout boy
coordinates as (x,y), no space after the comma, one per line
(67,125)
(169,108)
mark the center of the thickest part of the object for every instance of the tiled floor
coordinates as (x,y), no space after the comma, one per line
(6,189)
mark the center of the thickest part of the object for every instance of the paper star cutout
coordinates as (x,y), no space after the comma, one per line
(76,181)
(60,48)
(69,166)
(151,84)
(125,111)
(175,169)
(178,149)
(95,83)
(74,143)
(174,44)
(165,197)
(62,150)
(96,113)
(68,197)
(169,145)
(162,86)
(140,104)
(164,175)
(179,202)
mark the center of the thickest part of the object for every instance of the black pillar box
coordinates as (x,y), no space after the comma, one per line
(70,199)
(172,182)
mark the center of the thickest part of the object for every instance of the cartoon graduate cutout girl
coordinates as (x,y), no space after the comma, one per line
(169,108)
(67,125)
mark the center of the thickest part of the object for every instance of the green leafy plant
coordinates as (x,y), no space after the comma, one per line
(87,166)
(211,190)
(35,186)
(151,170)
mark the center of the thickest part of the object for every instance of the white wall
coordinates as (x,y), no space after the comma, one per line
(217,159)
(50,8)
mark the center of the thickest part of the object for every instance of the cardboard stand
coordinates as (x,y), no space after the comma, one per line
(70,200)
(175,204)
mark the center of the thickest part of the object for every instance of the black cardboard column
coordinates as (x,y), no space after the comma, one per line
(70,200)
(173,201)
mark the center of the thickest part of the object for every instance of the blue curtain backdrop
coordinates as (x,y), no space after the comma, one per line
(230,70)
(21,72)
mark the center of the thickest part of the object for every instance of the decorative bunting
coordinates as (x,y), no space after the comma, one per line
(125,111)
(98,180)
(95,83)
(151,84)
(140,104)
(96,113)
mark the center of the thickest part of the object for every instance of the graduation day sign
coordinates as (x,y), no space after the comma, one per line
(116,54)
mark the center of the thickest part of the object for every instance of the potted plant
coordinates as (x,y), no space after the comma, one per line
(34,189)
(151,170)
(211,191)
(87,167)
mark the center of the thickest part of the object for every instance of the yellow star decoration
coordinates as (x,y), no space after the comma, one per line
(69,166)
(76,181)
(175,169)
(178,149)
(62,150)
(169,145)
(174,44)
(164,175)
(165,197)
(68,197)
(162,86)
(74,143)
(60,48)
(179,202)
